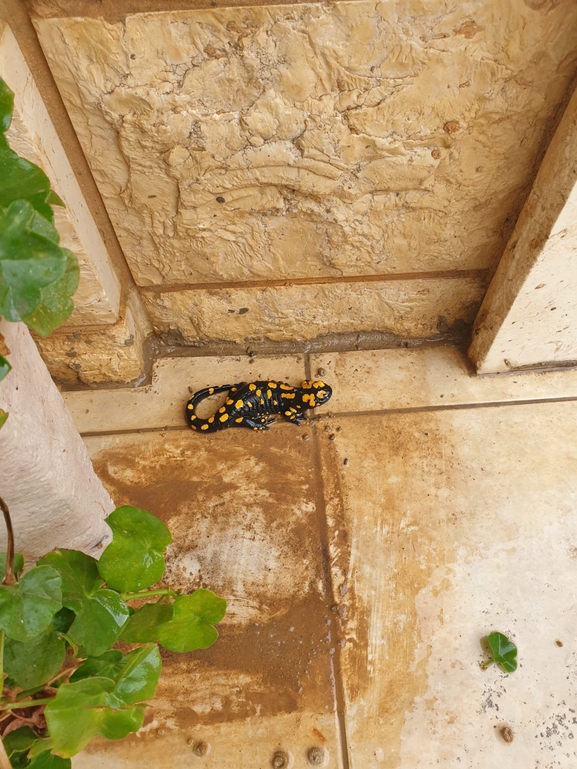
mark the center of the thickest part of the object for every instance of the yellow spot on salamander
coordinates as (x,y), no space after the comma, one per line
(192,416)
(193,427)
(285,387)
(239,404)
(321,393)
(288,413)
(269,393)
(239,419)
(312,401)
(204,427)
(222,409)
(258,392)
(261,402)
(210,419)
(223,418)
(229,401)
(190,406)
(289,395)
(306,397)
(318,384)
(233,389)
(252,387)
(210,390)
(272,385)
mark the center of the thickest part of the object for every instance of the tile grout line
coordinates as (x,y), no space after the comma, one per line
(339,688)
(348,414)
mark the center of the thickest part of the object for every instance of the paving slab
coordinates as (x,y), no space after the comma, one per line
(161,403)
(446,526)
(247,522)
(376,380)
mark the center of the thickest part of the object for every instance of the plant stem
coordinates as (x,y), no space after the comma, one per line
(24,704)
(4,760)
(148,594)
(9,578)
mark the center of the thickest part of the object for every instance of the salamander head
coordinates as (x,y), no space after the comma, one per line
(322,392)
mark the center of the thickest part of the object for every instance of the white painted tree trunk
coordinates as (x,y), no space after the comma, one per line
(46,477)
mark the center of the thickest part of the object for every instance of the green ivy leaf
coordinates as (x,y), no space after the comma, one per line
(138,676)
(133,560)
(3,416)
(27,608)
(135,674)
(30,259)
(192,625)
(18,564)
(46,760)
(100,614)
(62,620)
(502,651)
(142,626)
(33,663)
(6,106)
(81,710)
(79,573)
(99,622)
(105,666)
(20,740)
(117,724)
(22,180)
(56,303)
(5,367)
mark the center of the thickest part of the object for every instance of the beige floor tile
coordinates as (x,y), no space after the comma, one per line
(445,526)
(246,519)
(435,376)
(161,404)
(250,743)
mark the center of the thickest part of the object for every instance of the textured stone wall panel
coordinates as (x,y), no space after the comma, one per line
(314,140)
(407,308)
(99,354)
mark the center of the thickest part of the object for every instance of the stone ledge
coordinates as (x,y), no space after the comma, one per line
(406,308)
(97,354)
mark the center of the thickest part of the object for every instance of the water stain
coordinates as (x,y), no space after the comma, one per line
(241,508)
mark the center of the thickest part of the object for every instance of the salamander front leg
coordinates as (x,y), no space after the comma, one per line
(259,424)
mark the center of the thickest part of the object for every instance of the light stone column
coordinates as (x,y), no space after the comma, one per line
(46,477)
(529,315)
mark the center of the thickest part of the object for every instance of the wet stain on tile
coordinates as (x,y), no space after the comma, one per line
(242,511)
(384,551)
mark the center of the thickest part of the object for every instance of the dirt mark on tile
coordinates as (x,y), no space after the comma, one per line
(385,545)
(241,509)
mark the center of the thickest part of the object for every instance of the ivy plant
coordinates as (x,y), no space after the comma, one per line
(37,276)
(502,651)
(65,680)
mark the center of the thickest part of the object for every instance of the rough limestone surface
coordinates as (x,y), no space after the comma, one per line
(337,139)
(529,314)
(410,308)
(54,496)
(33,136)
(96,354)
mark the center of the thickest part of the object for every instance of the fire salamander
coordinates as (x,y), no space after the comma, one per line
(252,405)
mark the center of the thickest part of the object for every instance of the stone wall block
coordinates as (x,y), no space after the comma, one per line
(529,315)
(296,141)
(34,137)
(93,354)
(406,308)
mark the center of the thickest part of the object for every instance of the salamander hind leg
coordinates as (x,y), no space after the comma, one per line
(257,423)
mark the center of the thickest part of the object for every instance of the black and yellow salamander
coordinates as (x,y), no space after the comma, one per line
(253,405)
